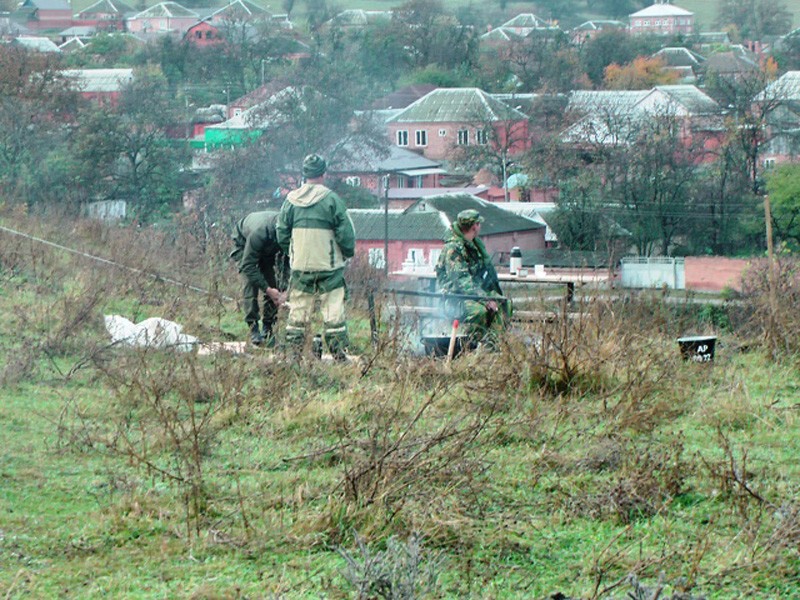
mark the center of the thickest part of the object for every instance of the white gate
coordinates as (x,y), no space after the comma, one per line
(653,272)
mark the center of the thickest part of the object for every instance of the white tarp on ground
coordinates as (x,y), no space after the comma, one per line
(150,333)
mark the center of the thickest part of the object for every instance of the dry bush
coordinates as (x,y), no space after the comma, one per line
(603,350)
(402,450)
(165,415)
(641,482)
(779,329)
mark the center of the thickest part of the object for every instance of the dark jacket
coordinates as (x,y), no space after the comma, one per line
(260,258)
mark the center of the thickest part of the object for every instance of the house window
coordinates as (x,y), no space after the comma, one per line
(442,132)
(402,138)
(421,137)
(435,252)
(416,256)
(376,258)
(769,163)
(481,137)
(353,181)
(237,112)
(198,34)
(463,137)
(402,181)
(645,23)
(417,181)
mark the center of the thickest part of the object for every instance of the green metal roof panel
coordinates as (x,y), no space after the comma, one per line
(403,226)
(496,220)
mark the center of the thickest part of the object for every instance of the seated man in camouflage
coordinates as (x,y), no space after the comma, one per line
(464,267)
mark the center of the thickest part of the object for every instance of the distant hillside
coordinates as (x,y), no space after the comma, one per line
(704,10)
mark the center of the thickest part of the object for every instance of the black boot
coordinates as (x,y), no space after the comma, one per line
(268,335)
(255,335)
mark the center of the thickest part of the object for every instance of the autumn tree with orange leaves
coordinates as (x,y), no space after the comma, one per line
(641,74)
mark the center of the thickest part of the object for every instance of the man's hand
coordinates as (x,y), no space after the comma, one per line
(491,306)
(277,297)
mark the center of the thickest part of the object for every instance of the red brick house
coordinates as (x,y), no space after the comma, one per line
(662,18)
(105,15)
(203,34)
(439,122)
(102,86)
(417,234)
(166,17)
(45,14)
(591,29)
(400,169)
(613,118)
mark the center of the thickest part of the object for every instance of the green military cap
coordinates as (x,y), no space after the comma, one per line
(468,217)
(314,166)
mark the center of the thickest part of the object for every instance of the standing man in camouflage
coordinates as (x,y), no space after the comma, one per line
(465,267)
(316,231)
(264,267)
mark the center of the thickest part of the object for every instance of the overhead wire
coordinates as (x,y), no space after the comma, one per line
(112,263)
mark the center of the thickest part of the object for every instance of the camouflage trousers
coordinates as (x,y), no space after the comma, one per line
(301,311)
(258,307)
(482,324)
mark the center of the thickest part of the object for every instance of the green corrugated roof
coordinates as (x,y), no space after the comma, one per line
(565,259)
(496,220)
(370,225)
(465,105)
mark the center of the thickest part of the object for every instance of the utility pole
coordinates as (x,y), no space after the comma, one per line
(386,225)
(505,178)
(773,292)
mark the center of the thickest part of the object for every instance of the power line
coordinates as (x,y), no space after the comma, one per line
(115,264)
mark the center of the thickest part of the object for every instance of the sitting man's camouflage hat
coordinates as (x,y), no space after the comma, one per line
(314,166)
(467,218)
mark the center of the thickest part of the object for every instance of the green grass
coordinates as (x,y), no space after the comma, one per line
(521,485)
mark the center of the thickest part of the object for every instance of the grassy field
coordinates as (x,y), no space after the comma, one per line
(593,463)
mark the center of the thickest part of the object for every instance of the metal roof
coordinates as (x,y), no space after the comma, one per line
(662,10)
(166,9)
(241,7)
(108,7)
(691,98)
(786,87)
(422,226)
(364,159)
(417,193)
(599,25)
(605,101)
(40,44)
(99,80)
(526,20)
(46,4)
(460,105)
(680,57)
(496,220)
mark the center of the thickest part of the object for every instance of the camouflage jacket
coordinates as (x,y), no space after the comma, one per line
(257,252)
(317,233)
(464,267)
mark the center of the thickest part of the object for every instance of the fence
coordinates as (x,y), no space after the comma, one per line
(644,272)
